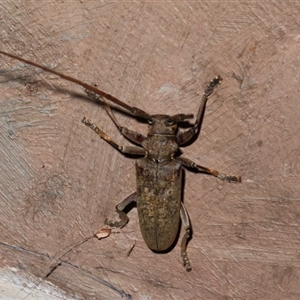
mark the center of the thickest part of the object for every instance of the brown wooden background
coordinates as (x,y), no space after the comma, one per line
(59,181)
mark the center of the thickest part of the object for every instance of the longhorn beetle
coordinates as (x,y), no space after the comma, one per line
(159,171)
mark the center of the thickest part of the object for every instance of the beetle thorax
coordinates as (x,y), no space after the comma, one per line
(160,147)
(160,143)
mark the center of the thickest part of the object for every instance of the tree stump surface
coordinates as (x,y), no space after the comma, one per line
(59,181)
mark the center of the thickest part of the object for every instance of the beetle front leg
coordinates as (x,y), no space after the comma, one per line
(104,136)
(190,164)
(186,136)
(119,209)
(131,135)
(186,224)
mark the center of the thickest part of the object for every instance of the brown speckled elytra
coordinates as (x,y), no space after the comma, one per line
(159,171)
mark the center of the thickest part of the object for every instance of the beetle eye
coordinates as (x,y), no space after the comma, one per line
(150,121)
(169,122)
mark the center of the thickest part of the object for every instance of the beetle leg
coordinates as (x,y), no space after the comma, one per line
(131,135)
(186,223)
(190,164)
(186,136)
(119,209)
(124,149)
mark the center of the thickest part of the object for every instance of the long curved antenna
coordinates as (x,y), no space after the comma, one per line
(134,110)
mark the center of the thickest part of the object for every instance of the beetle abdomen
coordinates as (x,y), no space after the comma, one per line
(158,201)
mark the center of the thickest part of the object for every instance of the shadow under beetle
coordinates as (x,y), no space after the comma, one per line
(159,171)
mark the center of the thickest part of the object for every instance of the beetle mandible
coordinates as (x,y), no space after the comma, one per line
(159,171)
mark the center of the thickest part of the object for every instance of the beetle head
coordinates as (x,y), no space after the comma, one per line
(166,125)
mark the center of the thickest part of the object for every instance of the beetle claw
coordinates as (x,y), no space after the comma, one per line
(186,262)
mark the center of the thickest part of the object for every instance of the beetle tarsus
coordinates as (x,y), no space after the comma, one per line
(92,95)
(116,224)
(210,88)
(122,215)
(119,224)
(186,262)
(230,178)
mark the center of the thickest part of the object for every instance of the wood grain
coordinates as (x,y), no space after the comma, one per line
(59,182)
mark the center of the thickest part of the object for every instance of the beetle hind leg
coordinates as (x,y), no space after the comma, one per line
(186,223)
(119,209)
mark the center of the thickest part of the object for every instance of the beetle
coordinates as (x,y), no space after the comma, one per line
(159,169)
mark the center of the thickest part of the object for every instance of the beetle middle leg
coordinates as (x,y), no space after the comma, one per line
(124,149)
(190,164)
(186,224)
(131,135)
(119,209)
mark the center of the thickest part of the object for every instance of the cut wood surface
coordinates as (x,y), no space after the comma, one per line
(59,181)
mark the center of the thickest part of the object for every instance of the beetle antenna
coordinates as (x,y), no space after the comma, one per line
(134,110)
